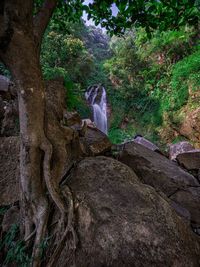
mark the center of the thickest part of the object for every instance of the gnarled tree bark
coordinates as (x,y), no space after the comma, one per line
(20,42)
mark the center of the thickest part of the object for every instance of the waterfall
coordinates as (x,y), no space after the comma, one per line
(96,97)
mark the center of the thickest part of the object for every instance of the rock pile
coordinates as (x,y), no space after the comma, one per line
(166,177)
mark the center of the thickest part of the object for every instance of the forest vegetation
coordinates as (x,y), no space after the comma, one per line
(149,76)
(148,79)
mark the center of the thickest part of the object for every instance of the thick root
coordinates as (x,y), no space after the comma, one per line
(41,225)
(51,184)
(40,211)
(68,230)
(64,201)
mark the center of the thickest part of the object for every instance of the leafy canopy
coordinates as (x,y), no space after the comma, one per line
(150,14)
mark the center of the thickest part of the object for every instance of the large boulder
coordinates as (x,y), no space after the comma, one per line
(155,169)
(124,223)
(9,170)
(164,175)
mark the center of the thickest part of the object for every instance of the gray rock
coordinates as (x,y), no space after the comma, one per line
(89,123)
(180,147)
(123,223)
(95,142)
(182,212)
(190,159)
(164,175)
(155,169)
(4,83)
(189,199)
(144,142)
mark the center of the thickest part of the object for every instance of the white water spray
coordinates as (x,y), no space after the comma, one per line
(96,97)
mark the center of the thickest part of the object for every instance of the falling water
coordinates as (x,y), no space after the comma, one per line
(96,97)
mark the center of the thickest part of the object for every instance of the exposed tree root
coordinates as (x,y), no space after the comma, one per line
(69,229)
(26,212)
(44,160)
(41,225)
(35,207)
(52,185)
(64,201)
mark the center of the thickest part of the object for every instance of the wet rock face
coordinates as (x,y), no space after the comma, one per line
(122,222)
(180,147)
(164,175)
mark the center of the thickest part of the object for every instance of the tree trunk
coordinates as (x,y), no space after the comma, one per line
(23,62)
(20,41)
(21,57)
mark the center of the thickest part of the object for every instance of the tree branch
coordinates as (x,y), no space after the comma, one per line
(42,18)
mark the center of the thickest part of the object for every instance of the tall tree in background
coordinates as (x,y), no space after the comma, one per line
(21,34)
